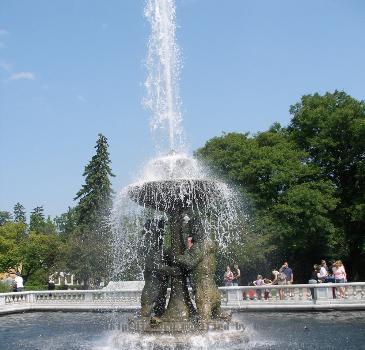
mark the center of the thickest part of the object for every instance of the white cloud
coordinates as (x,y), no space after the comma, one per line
(3,32)
(22,75)
(2,45)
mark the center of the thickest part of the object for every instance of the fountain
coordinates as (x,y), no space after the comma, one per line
(175,199)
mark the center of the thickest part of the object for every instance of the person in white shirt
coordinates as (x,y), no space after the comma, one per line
(19,282)
(323,272)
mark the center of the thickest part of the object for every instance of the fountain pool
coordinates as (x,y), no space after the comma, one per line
(94,331)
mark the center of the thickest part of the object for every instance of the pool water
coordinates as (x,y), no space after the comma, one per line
(108,331)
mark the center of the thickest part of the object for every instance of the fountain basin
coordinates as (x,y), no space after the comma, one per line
(172,196)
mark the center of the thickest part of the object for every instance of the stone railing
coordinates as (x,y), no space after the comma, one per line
(271,297)
(297,296)
(82,300)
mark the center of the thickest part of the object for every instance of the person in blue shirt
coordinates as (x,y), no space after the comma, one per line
(288,272)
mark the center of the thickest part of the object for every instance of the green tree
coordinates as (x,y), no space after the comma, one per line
(19,213)
(38,254)
(90,248)
(95,196)
(331,129)
(66,223)
(11,236)
(5,217)
(49,226)
(37,221)
(41,256)
(282,190)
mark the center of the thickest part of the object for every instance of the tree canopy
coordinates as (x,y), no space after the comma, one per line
(304,183)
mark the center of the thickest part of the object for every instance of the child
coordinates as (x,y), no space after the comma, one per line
(258,282)
(267,291)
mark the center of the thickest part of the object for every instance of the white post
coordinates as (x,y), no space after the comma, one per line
(88,297)
(234,297)
(322,293)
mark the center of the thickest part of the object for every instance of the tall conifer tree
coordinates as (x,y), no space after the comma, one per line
(90,258)
(19,213)
(37,220)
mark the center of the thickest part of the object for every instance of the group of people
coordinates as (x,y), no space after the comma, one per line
(14,281)
(283,276)
(336,273)
(232,276)
(321,273)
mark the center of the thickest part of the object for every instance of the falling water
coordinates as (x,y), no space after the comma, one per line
(162,84)
(173,177)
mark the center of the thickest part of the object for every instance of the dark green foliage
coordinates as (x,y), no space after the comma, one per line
(331,129)
(10,245)
(66,223)
(89,251)
(37,221)
(95,195)
(38,254)
(305,183)
(19,213)
(5,217)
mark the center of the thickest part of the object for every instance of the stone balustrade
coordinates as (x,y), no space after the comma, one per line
(294,297)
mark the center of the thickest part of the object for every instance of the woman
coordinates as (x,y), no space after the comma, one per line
(339,274)
(314,278)
(279,280)
(228,277)
(323,272)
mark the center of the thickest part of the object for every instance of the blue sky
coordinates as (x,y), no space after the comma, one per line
(73,68)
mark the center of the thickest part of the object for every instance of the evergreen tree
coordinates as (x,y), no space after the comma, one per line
(95,195)
(19,213)
(90,244)
(37,221)
(49,226)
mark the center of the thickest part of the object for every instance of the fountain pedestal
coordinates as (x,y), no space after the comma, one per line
(175,197)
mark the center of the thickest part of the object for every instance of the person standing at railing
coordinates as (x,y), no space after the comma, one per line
(259,282)
(236,275)
(228,277)
(288,272)
(267,291)
(280,279)
(314,278)
(19,282)
(339,273)
(323,272)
